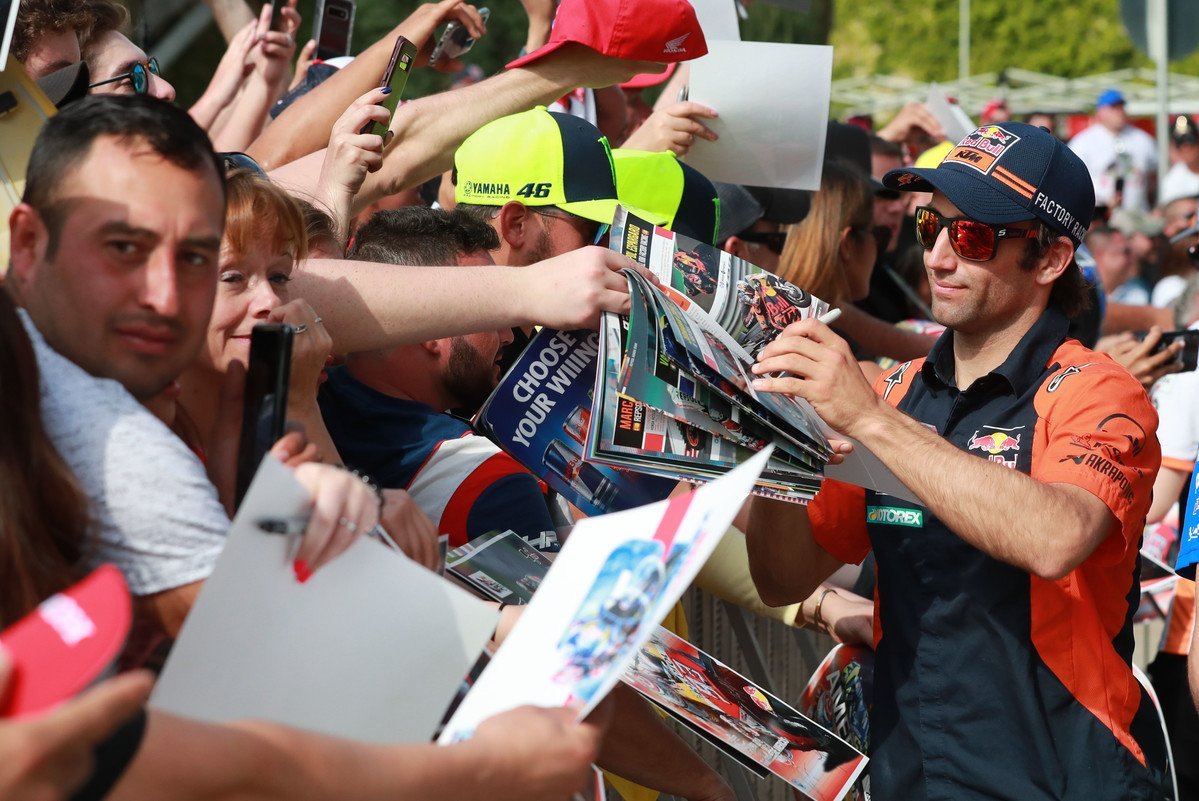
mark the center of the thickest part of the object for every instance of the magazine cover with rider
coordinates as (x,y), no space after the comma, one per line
(539,413)
(714,699)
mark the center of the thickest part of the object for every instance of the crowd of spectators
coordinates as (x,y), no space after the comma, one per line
(997,350)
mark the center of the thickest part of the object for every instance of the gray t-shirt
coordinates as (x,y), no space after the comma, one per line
(156,515)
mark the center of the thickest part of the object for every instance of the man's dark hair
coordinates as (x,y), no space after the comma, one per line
(885,147)
(484,214)
(1070,291)
(415,235)
(67,139)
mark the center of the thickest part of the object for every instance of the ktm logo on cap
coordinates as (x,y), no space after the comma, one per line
(676,45)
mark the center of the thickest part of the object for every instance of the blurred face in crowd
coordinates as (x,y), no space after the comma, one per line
(470,365)
(1112,259)
(1179,215)
(125,288)
(249,286)
(976,297)
(112,54)
(53,51)
(1188,153)
(859,251)
(1112,117)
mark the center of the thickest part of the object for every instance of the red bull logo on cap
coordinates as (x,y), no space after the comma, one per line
(995,442)
(982,149)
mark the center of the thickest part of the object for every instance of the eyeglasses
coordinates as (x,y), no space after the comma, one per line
(591,231)
(138,75)
(773,240)
(970,239)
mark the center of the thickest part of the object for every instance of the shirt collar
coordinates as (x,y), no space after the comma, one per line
(1024,365)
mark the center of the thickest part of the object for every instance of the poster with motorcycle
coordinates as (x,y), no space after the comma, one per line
(749,304)
(714,699)
(610,586)
(838,697)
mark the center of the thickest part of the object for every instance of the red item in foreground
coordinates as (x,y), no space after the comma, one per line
(67,643)
(638,30)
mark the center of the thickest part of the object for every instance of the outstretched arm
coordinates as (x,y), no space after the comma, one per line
(367,306)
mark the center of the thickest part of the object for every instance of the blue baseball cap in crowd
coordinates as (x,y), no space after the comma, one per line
(1009,172)
(1111,97)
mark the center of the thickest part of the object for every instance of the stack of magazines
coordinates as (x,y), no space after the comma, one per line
(615,419)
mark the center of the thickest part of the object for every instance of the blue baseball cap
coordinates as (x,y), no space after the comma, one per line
(1009,172)
(1111,97)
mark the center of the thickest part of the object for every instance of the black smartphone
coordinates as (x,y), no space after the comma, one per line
(333,28)
(276,17)
(456,41)
(395,76)
(264,411)
(1189,356)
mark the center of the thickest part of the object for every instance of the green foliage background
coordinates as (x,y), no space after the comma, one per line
(1068,38)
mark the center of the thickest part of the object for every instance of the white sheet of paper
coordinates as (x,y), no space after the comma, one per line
(718,19)
(773,118)
(863,469)
(611,585)
(373,647)
(953,119)
(8,21)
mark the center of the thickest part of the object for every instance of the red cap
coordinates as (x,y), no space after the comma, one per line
(648,79)
(66,643)
(638,30)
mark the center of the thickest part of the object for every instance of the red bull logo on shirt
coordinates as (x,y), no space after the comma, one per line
(995,442)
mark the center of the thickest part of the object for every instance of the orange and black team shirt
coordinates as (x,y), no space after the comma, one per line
(990,682)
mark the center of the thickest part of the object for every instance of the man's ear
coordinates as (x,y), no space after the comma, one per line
(516,223)
(1055,261)
(738,247)
(435,347)
(29,240)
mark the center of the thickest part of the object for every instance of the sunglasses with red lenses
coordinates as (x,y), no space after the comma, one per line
(970,239)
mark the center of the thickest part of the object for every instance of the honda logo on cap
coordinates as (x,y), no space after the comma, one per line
(676,45)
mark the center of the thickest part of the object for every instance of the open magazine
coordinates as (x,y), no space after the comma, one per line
(675,396)
(614,419)
(743,720)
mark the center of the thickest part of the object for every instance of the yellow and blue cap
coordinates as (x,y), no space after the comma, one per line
(539,158)
(668,189)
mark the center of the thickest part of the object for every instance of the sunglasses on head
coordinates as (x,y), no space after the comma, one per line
(138,75)
(970,239)
(232,160)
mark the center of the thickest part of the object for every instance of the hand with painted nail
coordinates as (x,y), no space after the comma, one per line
(343,508)
(352,154)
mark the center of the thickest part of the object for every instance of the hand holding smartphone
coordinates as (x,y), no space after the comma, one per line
(396,77)
(456,41)
(1188,358)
